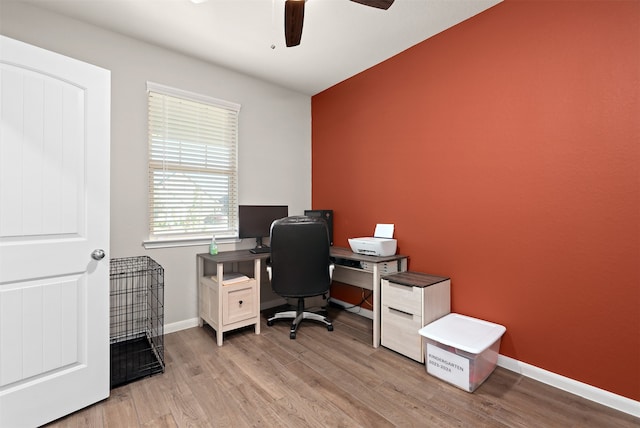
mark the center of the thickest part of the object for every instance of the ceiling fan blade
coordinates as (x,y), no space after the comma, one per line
(293,19)
(380,4)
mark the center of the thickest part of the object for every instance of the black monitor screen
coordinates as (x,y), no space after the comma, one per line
(255,220)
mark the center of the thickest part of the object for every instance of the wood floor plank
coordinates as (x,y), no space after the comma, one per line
(272,378)
(91,417)
(120,410)
(185,409)
(148,399)
(165,421)
(354,410)
(356,380)
(324,379)
(266,371)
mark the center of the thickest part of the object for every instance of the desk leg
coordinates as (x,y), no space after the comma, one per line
(376,305)
(199,274)
(220,274)
(257,271)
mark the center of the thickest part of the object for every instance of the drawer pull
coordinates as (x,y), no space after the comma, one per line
(399,286)
(402,313)
(240,302)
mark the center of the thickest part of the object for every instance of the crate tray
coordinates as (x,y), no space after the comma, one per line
(133,359)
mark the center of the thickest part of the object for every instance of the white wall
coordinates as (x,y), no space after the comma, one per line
(274,134)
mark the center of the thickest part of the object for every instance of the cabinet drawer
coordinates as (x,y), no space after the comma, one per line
(240,302)
(400,332)
(402,297)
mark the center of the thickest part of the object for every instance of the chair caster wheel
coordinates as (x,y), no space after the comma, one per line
(330,327)
(269,323)
(292,335)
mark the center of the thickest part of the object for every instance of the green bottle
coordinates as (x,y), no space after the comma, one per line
(213,246)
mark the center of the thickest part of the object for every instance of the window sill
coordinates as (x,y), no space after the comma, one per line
(184,242)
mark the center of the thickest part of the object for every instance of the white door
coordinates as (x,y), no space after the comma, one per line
(54,212)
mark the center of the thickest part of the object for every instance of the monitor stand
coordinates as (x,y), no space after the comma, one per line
(259,249)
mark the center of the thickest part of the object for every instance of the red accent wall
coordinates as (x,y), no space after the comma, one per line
(506,150)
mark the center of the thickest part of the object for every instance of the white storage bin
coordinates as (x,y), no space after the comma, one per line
(461,350)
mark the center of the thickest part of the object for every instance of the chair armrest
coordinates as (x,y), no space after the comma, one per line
(268,265)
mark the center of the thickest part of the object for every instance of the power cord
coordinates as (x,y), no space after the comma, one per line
(357,305)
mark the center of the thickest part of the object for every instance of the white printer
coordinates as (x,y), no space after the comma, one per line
(381,244)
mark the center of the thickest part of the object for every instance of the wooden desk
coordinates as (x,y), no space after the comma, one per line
(228,307)
(367,275)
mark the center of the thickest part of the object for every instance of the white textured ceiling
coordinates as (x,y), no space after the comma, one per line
(340,38)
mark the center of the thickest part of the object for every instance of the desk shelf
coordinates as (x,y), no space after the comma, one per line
(367,276)
(353,276)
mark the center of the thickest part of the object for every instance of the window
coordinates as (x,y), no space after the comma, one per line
(193,178)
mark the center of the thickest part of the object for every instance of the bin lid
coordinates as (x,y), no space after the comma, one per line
(463,332)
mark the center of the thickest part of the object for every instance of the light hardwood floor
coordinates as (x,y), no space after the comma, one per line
(324,379)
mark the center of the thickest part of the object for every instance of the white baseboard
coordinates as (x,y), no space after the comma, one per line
(584,390)
(180,325)
(367,313)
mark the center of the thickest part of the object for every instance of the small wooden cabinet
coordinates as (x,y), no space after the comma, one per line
(227,307)
(409,301)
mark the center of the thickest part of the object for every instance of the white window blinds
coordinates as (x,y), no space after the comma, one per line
(192,165)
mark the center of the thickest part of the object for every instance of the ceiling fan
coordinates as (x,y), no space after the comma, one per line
(294,17)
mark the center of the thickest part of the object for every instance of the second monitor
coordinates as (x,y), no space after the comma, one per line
(254,221)
(327,215)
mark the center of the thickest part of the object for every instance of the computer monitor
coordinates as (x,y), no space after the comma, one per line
(255,221)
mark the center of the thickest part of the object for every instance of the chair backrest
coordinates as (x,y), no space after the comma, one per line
(300,256)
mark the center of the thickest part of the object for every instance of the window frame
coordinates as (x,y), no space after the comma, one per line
(170,236)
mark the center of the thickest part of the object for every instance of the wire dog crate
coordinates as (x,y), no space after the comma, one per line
(137,319)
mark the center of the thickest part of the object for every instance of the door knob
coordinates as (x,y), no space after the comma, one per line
(97,254)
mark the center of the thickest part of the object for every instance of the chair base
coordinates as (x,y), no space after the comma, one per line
(298,316)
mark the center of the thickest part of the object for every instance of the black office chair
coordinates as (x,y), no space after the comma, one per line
(300,266)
